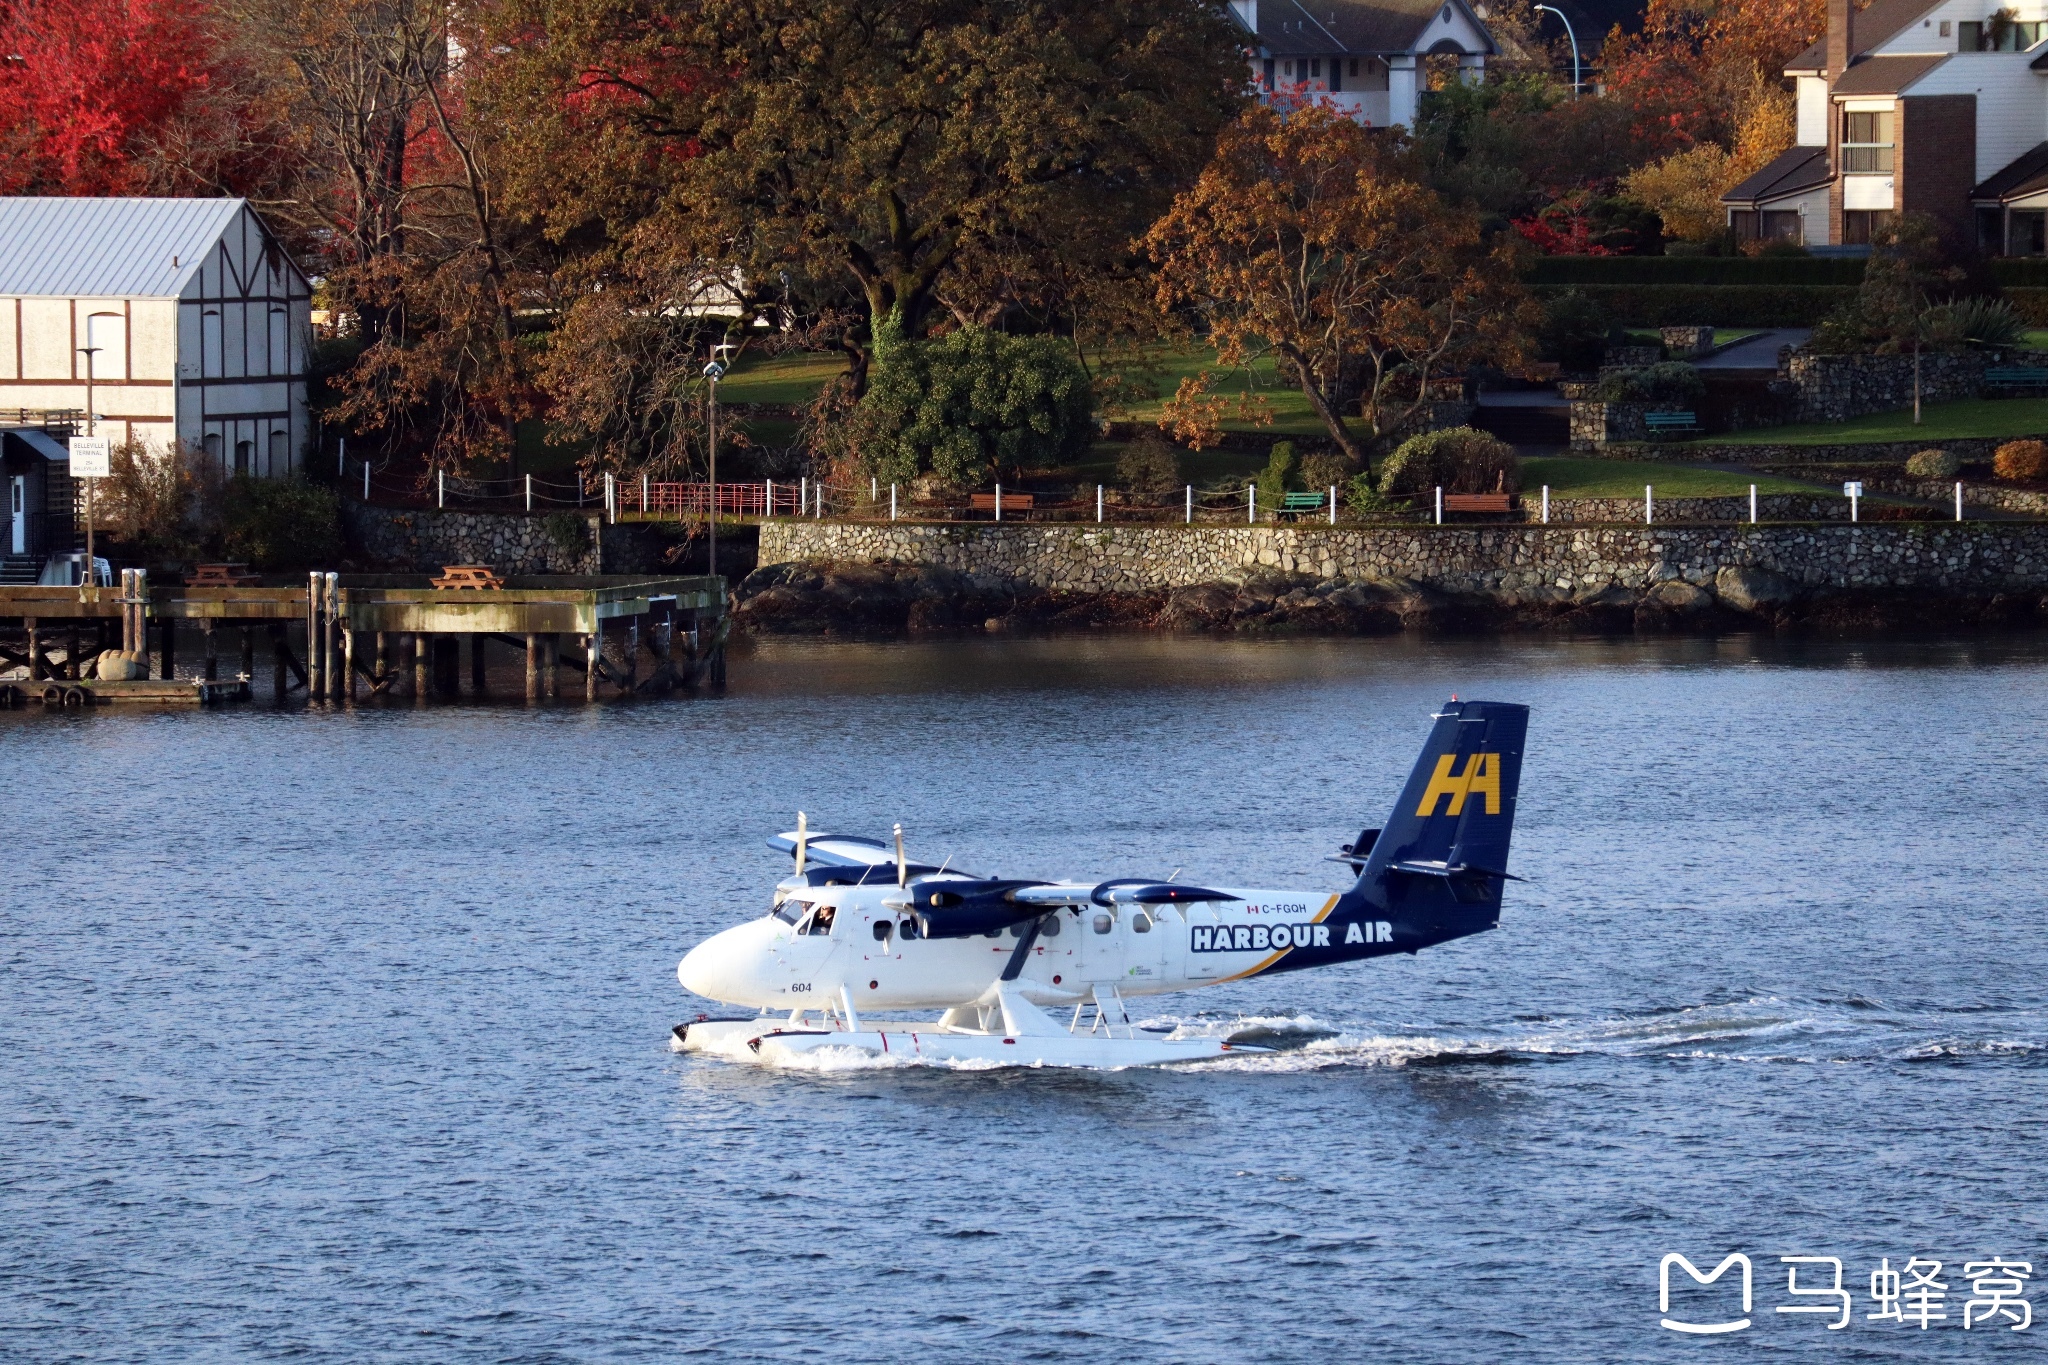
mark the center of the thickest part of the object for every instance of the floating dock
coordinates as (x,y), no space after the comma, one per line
(338,637)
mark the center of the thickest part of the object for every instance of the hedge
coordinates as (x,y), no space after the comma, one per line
(1707,305)
(2020,271)
(2030,304)
(1815,271)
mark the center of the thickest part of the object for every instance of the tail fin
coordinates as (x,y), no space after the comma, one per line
(1437,869)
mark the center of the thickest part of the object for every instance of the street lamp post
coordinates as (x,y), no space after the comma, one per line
(713,372)
(1552,9)
(91,429)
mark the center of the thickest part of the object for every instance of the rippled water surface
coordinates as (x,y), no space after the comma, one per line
(344,1036)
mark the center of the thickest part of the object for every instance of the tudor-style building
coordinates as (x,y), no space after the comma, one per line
(1363,57)
(1929,106)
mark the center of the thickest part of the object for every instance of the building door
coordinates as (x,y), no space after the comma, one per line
(17,514)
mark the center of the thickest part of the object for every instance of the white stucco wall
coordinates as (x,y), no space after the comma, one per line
(1813,112)
(2012,102)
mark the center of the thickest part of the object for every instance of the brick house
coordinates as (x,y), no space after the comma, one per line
(1366,58)
(1929,106)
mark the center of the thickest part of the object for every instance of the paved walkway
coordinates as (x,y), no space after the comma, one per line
(1759,352)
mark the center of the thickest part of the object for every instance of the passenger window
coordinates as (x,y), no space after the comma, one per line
(1141,923)
(1050,926)
(1102,924)
(883,928)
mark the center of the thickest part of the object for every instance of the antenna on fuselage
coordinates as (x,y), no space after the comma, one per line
(803,838)
(902,868)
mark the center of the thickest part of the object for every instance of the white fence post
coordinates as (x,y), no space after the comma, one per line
(803,496)
(1251,504)
(874,489)
(1439,504)
(1752,504)
(1959,499)
(1191,502)
(366,480)
(892,502)
(644,489)
(1333,504)
(999,502)
(340,455)
(1098,503)
(529,492)
(611,497)
(440,488)
(769,505)
(1546,504)
(1649,506)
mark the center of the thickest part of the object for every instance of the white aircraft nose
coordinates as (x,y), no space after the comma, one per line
(718,968)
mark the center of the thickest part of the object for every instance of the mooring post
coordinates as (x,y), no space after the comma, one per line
(338,680)
(632,653)
(210,648)
(35,650)
(422,661)
(551,666)
(591,645)
(532,666)
(248,653)
(348,663)
(316,592)
(476,663)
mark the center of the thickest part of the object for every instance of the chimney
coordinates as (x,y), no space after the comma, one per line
(1841,36)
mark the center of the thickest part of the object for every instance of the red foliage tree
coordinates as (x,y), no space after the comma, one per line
(120,97)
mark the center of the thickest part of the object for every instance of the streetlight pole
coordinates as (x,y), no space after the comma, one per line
(713,372)
(1552,9)
(92,428)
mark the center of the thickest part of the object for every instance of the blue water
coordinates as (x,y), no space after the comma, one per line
(344,1036)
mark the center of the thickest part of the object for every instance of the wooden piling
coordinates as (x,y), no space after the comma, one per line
(421,662)
(348,663)
(72,670)
(447,664)
(383,664)
(592,645)
(35,650)
(280,651)
(210,650)
(316,635)
(249,653)
(337,669)
(632,654)
(532,667)
(551,665)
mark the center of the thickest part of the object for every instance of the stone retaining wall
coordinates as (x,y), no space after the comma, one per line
(1509,562)
(1872,452)
(1974,494)
(1834,388)
(421,540)
(1774,507)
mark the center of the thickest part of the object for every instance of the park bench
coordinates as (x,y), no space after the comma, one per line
(1496,503)
(1012,502)
(478,576)
(1670,423)
(221,576)
(2016,377)
(1294,504)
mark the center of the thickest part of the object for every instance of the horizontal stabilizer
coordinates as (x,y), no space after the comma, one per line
(1424,869)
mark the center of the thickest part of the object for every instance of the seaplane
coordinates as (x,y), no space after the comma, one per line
(858,930)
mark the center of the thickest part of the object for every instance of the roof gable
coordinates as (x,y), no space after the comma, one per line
(1876,24)
(54,247)
(1357,27)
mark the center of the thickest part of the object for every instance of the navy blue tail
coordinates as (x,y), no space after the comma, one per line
(1437,868)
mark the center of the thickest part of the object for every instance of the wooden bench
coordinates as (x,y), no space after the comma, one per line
(479,576)
(1495,503)
(1012,502)
(1670,423)
(221,576)
(2016,377)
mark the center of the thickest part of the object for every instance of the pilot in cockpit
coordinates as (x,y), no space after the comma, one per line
(821,922)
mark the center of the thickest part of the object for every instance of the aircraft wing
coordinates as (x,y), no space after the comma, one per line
(836,850)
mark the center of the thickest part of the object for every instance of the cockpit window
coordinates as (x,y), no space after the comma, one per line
(821,922)
(789,912)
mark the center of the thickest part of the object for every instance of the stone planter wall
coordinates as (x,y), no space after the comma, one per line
(1872,452)
(1834,388)
(1595,425)
(1509,562)
(421,540)
(2021,500)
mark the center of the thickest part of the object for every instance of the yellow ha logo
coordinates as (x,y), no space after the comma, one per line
(1481,775)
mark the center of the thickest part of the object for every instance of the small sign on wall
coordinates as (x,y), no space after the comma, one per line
(91,457)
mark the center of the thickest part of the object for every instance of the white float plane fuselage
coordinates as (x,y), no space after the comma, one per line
(858,929)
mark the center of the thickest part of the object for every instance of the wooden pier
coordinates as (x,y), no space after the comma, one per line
(340,637)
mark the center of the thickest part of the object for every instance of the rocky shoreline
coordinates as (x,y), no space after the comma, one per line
(828,597)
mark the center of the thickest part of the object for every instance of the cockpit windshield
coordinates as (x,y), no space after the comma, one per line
(790,911)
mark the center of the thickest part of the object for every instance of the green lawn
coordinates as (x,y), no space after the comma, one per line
(791,378)
(1569,478)
(2035,339)
(1996,417)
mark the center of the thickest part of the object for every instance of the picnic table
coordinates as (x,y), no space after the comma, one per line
(221,576)
(478,576)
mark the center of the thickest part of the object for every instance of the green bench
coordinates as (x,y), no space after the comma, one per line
(2016,377)
(1295,504)
(1670,423)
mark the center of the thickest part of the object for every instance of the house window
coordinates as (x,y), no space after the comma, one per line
(280,453)
(1867,142)
(2027,233)
(1287,68)
(1996,35)
(1269,73)
(1991,231)
(1946,28)
(1354,66)
(242,456)
(212,447)
(1858,224)
(1315,67)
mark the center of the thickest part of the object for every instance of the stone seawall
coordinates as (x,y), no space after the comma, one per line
(1769,507)
(421,540)
(1511,563)
(1872,452)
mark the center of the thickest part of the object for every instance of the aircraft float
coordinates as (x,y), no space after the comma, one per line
(858,929)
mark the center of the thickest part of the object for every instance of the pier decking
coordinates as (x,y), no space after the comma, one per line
(368,635)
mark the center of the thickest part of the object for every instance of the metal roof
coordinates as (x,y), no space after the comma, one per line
(107,248)
(2026,174)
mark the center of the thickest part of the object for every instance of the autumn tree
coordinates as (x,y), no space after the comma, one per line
(114,97)
(934,159)
(1313,239)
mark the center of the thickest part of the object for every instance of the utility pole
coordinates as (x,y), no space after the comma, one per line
(714,372)
(91,429)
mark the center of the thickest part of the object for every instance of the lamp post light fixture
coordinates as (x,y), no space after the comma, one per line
(1574,37)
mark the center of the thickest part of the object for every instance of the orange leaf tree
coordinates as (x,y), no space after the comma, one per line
(1308,237)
